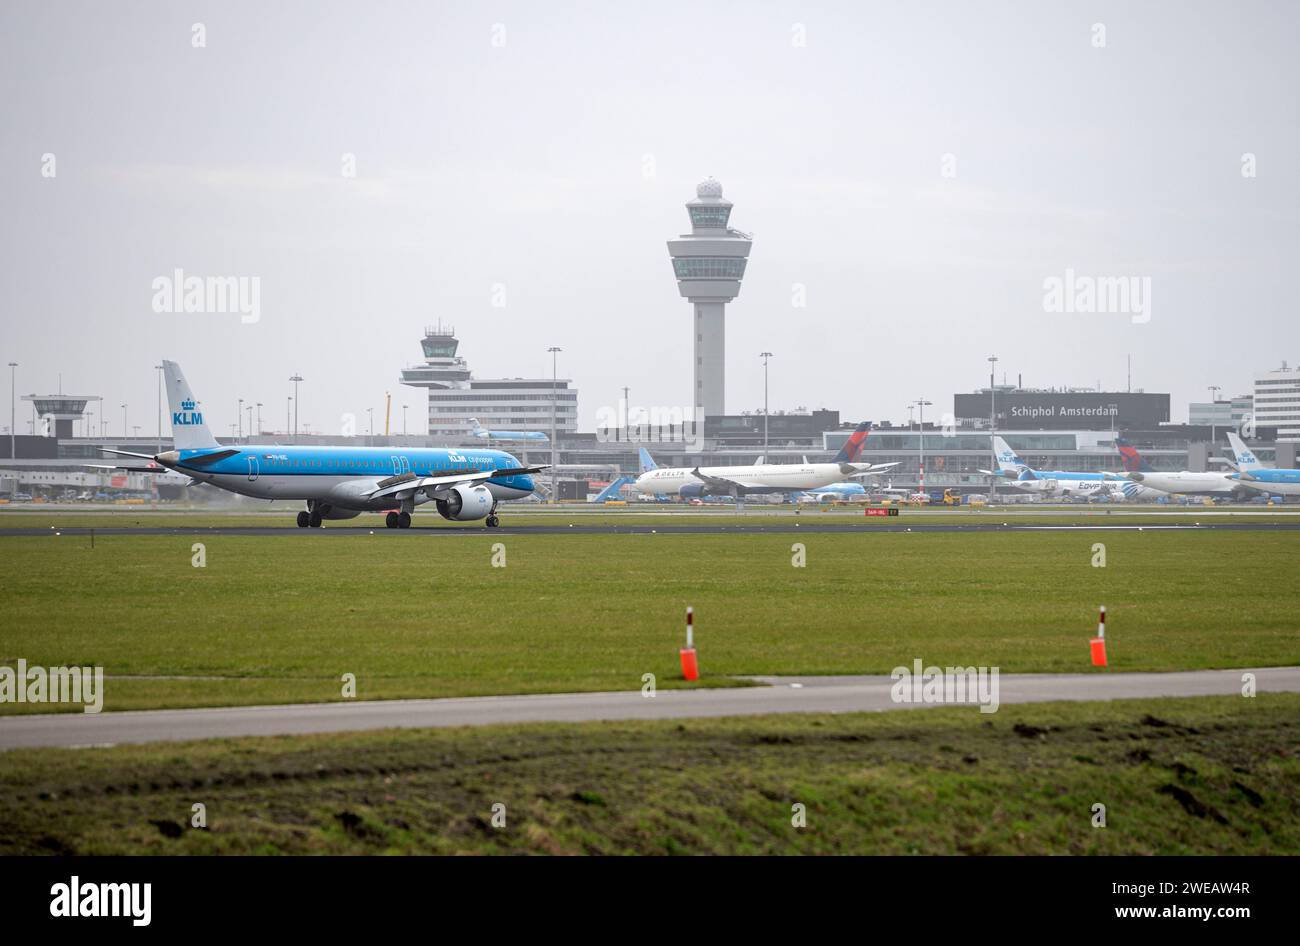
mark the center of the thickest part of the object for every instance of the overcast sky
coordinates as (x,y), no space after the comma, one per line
(547,150)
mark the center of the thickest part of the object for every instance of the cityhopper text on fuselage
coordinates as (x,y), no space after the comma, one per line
(339,482)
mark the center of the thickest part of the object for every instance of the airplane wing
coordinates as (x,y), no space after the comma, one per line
(129,469)
(721,482)
(409,483)
(859,469)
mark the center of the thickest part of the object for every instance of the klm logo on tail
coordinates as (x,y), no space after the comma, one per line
(187,416)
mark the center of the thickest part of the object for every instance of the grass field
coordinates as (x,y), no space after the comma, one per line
(1215,775)
(282,515)
(282,618)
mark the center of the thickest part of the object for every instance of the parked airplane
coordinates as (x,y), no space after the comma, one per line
(341,482)
(507,436)
(835,492)
(1065,484)
(1254,475)
(760,478)
(1185,483)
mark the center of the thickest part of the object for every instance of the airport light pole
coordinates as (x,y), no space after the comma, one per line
(239,418)
(993,482)
(13,391)
(288,407)
(1214,390)
(295,379)
(259,417)
(370,421)
(555,353)
(249,408)
(404,406)
(921,405)
(765,355)
(123,422)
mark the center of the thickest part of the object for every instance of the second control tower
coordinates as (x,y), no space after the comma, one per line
(709,263)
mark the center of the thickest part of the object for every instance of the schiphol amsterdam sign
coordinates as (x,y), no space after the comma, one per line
(1063,411)
(1047,409)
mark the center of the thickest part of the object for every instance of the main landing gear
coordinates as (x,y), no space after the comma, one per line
(309,518)
(398,520)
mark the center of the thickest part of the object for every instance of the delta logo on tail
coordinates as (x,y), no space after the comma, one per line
(1132,460)
(187,416)
(852,448)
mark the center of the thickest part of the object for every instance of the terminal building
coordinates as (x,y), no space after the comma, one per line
(1277,402)
(511,404)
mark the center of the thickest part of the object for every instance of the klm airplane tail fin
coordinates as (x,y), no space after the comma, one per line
(1133,461)
(1245,459)
(476,428)
(852,448)
(189,431)
(647,461)
(1008,463)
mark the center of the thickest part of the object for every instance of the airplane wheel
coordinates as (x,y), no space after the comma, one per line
(404,520)
(493,522)
(391,520)
(303,520)
(315,520)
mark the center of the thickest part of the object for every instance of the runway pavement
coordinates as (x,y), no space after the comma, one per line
(778,695)
(863,526)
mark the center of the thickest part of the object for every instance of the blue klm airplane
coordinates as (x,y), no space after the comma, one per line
(1264,479)
(339,482)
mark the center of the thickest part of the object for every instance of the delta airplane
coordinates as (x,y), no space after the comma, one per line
(760,478)
(506,436)
(1053,483)
(1254,475)
(1185,483)
(340,482)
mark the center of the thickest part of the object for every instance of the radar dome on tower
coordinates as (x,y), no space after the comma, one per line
(708,188)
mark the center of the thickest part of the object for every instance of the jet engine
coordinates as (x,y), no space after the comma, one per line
(465,503)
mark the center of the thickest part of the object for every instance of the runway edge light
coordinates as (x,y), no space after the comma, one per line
(1099,642)
(690,669)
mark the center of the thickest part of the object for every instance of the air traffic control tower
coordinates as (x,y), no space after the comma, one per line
(709,263)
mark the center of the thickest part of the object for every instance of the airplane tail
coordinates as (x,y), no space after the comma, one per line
(852,448)
(1244,457)
(1133,461)
(476,428)
(189,431)
(1008,463)
(613,490)
(647,461)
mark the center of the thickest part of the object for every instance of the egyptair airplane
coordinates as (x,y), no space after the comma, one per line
(340,482)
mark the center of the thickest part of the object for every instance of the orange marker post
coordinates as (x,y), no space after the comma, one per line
(690,669)
(1099,642)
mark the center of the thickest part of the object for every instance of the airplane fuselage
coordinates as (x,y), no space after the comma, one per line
(1188,483)
(762,478)
(341,476)
(1271,481)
